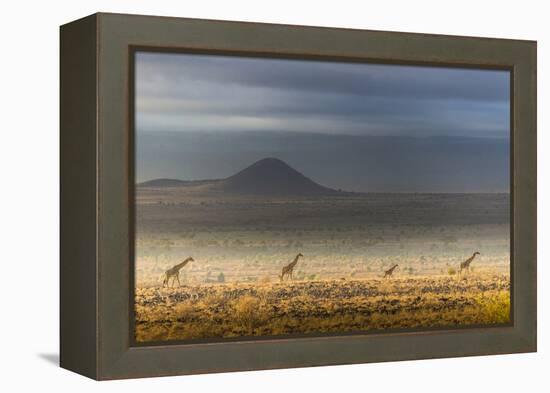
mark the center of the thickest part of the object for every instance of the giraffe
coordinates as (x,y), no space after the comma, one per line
(466,264)
(389,272)
(174,272)
(287,270)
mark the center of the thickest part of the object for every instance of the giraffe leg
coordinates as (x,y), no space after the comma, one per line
(178,277)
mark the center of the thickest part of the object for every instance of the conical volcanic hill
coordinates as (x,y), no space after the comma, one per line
(267,177)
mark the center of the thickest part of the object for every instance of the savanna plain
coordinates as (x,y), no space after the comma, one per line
(234,285)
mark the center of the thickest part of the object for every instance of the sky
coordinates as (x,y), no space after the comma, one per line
(185,92)
(211,101)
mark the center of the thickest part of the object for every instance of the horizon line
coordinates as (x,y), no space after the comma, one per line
(325,134)
(136,184)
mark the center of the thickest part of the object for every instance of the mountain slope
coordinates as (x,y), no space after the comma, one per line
(161,183)
(271,176)
(267,177)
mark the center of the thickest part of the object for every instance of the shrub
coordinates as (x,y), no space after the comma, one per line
(451,271)
(184,311)
(247,312)
(495,309)
(221,277)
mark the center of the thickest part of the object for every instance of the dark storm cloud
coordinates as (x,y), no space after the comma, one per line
(215,93)
(333,77)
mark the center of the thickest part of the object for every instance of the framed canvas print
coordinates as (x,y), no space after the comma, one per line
(241,196)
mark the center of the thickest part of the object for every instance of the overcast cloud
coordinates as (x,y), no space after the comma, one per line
(183,92)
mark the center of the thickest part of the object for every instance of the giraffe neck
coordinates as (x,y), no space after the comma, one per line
(472,258)
(295,261)
(181,264)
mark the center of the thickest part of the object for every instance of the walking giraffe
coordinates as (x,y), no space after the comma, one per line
(174,272)
(466,264)
(389,272)
(288,269)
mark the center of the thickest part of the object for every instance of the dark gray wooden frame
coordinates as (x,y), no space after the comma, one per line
(97,183)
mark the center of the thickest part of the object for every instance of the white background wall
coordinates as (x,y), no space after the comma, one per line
(29,194)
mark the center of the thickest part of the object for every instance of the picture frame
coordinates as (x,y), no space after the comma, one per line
(96,195)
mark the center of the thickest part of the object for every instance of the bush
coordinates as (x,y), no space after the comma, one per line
(495,309)
(451,271)
(221,277)
(184,311)
(247,312)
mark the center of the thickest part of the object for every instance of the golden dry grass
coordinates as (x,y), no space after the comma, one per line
(309,307)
